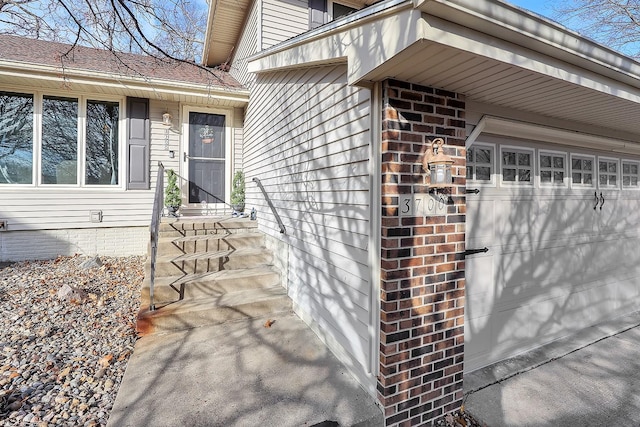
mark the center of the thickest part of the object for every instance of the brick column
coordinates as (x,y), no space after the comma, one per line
(422,278)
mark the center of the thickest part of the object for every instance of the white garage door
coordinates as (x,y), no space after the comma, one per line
(561,227)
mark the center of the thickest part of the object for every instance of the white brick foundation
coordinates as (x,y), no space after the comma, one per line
(47,244)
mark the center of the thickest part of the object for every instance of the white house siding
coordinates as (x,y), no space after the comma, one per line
(238,138)
(283,19)
(307,137)
(44,222)
(247,46)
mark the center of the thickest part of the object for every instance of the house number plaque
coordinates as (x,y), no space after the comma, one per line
(423,205)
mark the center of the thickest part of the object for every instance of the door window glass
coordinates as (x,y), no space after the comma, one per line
(582,171)
(552,168)
(630,174)
(207,147)
(517,166)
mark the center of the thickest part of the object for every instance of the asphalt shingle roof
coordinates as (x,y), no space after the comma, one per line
(40,52)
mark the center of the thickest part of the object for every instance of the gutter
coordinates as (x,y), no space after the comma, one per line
(355,19)
(45,72)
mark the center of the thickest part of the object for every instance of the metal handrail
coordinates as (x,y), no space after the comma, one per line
(273,209)
(158,203)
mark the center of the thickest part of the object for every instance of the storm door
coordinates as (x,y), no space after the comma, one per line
(206,159)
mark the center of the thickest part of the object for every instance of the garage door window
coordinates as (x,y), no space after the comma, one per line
(582,171)
(480,163)
(517,166)
(630,174)
(608,173)
(552,168)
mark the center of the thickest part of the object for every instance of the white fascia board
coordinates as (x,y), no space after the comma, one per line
(363,40)
(529,30)
(104,80)
(466,39)
(535,132)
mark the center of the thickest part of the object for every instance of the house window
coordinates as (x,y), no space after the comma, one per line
(77,140)
(608,172)
(59,140)
(102,143)
(16,138)
(339,10)
(552,168)
(517,166)
(480,163)
(630,174)
(582,171)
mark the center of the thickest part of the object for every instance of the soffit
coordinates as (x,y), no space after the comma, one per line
(514,65)
(224,25)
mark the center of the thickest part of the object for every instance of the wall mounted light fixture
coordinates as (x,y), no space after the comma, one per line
(438,165)
(167,123)
(167,119)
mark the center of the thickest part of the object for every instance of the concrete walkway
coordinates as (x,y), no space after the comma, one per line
(590,379)
(240,373)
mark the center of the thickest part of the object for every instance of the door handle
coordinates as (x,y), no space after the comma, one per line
(475,251)
(471,191)
(597,200)
(601,200)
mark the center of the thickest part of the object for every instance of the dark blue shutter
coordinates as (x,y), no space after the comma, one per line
(317,13)
(138,144)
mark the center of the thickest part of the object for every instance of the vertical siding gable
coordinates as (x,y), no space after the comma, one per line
(307,138)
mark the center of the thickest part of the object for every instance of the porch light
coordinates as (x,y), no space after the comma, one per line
(438,164)
(167,119)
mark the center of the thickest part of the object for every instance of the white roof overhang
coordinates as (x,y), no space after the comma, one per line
(29,76)
(490,51)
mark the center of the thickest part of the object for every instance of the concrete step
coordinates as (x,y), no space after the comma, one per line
(238,305)
(208,243)
(171,289)
(206,225)
(171,265)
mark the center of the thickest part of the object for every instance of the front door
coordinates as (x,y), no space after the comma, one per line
(206,160)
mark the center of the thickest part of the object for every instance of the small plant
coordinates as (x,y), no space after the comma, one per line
(172,192)
(237,192)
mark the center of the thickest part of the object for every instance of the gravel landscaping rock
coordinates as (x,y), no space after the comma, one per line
(62,358)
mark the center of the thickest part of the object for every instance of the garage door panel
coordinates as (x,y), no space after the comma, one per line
(515,219)
(480,223)
(555,265)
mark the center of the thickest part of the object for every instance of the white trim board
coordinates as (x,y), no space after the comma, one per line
(524,130)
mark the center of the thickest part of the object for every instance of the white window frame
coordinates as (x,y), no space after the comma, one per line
(38,99)
(636,175)
(492,181)
(594,171)
(517,182)
(609,160)
(552,169)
